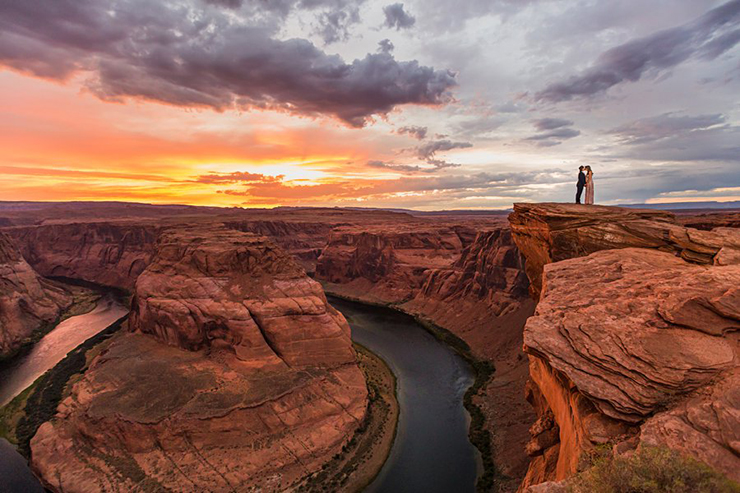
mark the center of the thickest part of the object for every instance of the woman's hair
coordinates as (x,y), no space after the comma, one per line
(588,168)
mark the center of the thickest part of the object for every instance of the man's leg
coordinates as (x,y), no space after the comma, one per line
(578,194)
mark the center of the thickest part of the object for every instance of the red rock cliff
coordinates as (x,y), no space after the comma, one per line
(112,254)
(248,375)
(548,233)
(469,282)
(630,345)
(27,301)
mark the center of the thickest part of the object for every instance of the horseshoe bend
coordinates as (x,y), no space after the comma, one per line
(595,330)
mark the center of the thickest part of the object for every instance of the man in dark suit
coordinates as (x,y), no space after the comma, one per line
(581,183)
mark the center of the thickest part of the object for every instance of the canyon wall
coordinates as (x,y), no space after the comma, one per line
(107,253)
(629,346)
(548,233)
(465,277)
(28,302)
(236,374)
(303,239)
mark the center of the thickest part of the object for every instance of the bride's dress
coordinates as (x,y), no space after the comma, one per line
(590,189)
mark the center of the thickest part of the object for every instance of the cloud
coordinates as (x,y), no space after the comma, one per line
(429,150)
(553,131)
(397,17)
(229,4)
(707,37)
(675,137)
(551,123)
(508,184)
(238,177)
(385,46)
(334,25)
(414,131)
(403,168)
(664,126)
(185,56)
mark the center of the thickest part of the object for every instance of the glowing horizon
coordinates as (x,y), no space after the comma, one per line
(421,119)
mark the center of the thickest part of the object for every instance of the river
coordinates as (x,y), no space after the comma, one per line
(431,453)
(15,476)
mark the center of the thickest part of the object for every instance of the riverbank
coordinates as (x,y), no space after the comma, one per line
(84,300)
(362,458)
(37,404)
(478,432)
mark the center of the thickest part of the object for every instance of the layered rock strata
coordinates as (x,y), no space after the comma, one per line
(236,374)
(548,233)
(107,253)
(28,302)
(632,346)
(466,278)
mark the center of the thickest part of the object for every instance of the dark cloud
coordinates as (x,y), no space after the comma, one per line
(184,56)
(403,168)
(414,131)
(551,123)
(707,37)
(385,46)
(237,177)
(673,137)
(664,126)
(430,149)
(428,152)
(335,24)
(229,4)
(397,17)
(553,131)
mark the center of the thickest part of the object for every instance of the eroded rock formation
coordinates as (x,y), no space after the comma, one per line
(630,345)
(303,239)
(107,253)
(548,233)
(28,302)
(236,374)
(466,277)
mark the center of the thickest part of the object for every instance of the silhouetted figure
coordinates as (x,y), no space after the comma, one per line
(581,183)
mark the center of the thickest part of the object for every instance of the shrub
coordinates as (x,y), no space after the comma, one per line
(652,470)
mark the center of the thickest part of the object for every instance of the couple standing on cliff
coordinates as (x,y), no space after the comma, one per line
(585,180)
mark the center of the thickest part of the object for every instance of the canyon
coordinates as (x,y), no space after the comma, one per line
(634,340)
(607,327)
(261,382)
(28,302)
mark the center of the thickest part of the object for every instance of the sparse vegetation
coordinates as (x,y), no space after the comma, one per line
(651,470)
(362,457)
(42,399)
(479,436)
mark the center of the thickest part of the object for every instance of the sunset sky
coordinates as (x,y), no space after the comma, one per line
(425,104)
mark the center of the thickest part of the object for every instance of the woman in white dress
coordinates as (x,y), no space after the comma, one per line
(589,186)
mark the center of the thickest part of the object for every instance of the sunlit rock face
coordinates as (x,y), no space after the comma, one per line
(455,276)
(28,302)
(303,239)
(464,276)
(631,345)
(548,233)
(107,253)
(235,374)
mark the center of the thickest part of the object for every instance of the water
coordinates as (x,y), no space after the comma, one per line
(15,476)
(431,452)
(55,345)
